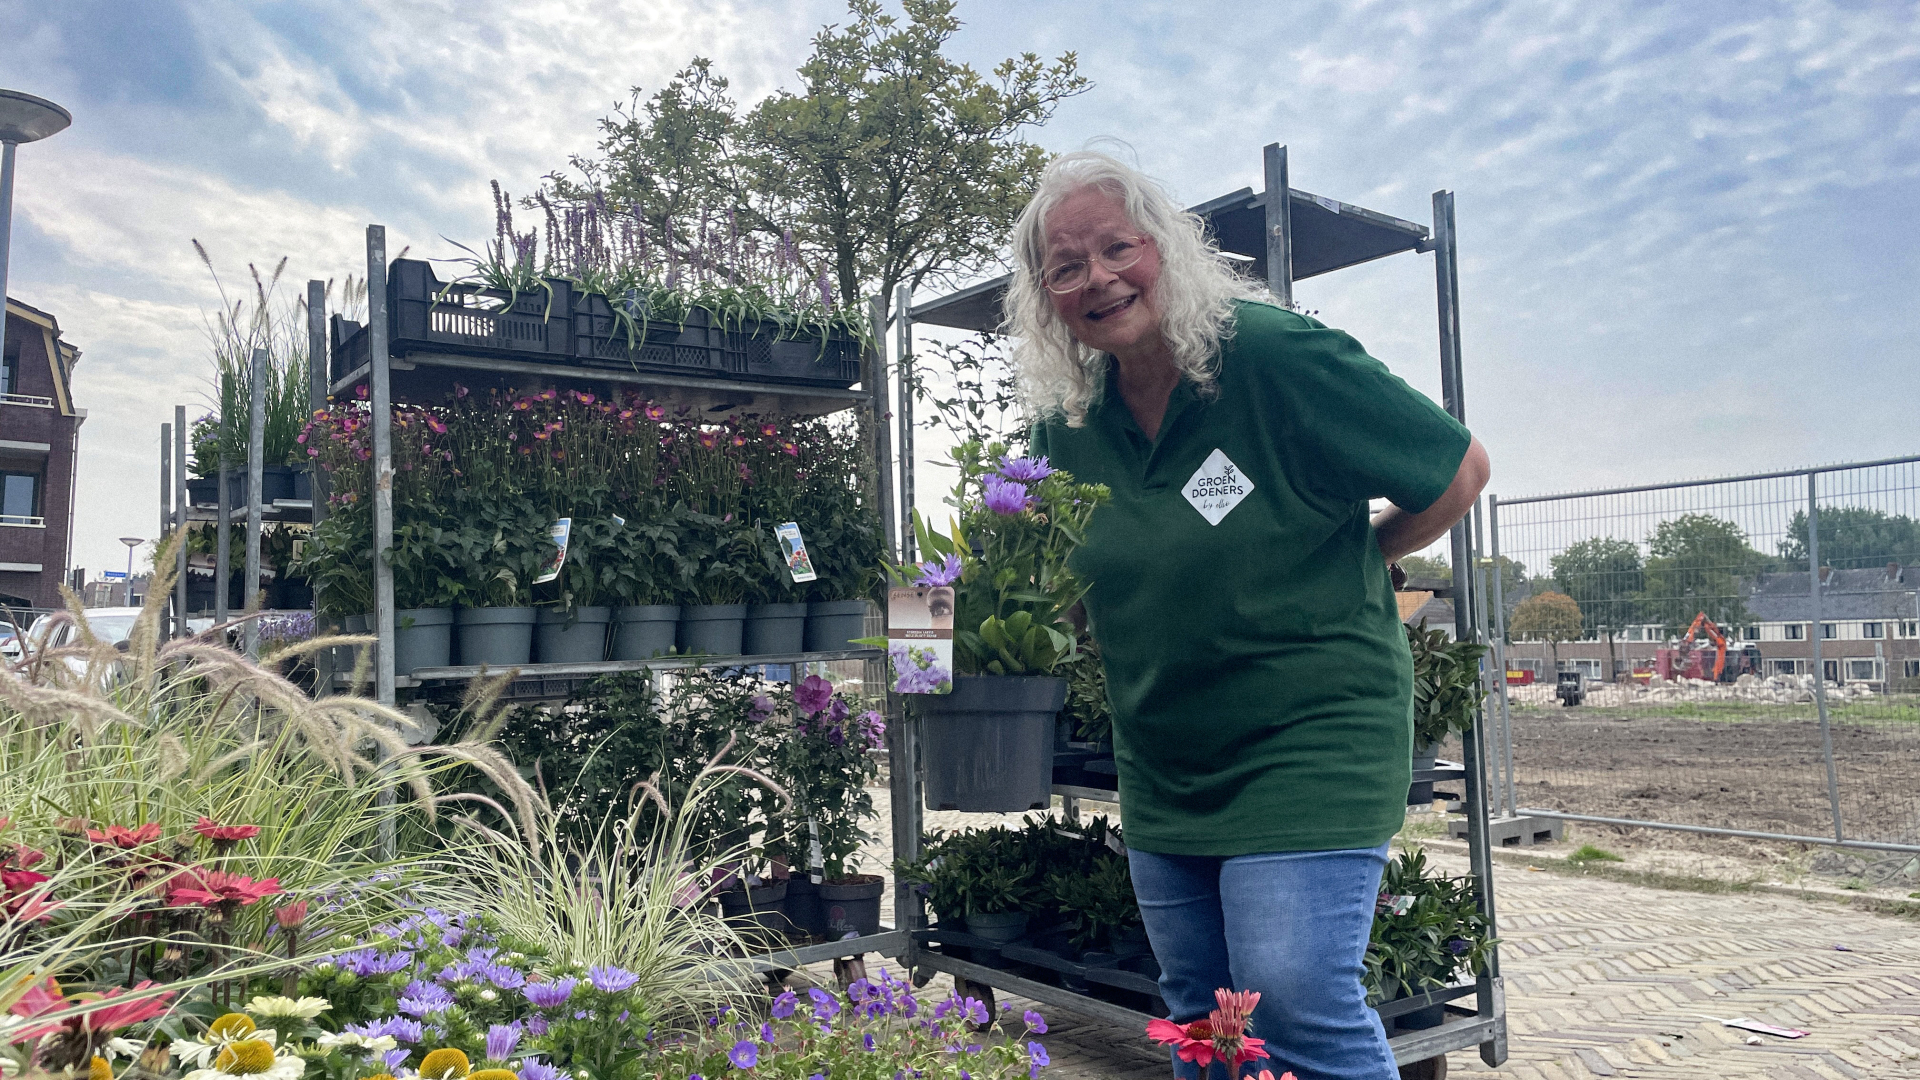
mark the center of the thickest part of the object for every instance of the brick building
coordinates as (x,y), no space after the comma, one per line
(39,434)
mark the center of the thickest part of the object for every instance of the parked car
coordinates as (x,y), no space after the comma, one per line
(9,644)
(112,625)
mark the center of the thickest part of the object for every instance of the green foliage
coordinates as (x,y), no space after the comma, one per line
(1058,871)
(1446,684)
(984,405)
(825,765)
(1604,576)
(1422,567)
(895,161)
(1695,563)
(1419,944)
(1089,712)
(1547,616)
(1588,853)
(1854,538)
(1011,602)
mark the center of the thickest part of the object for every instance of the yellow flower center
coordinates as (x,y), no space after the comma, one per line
(229,1027)
(98,1069)
(445,1063)
(245,1058)
(493,1074)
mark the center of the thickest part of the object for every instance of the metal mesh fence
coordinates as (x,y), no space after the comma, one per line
(1672,658)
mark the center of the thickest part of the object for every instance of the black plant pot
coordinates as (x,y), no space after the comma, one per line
(203,491)
(833,624)
(715,629)
(803,907)
(756,911)
(571,635)
(499,637)
(989,743)
(775,629)
(644,631)
(852,905)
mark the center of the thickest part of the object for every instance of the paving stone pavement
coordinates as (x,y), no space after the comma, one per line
(1606,979)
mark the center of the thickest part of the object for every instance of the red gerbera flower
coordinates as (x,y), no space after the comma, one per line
(206,888)
(46,998)
(122,837)
(1221,1034)
(208,828)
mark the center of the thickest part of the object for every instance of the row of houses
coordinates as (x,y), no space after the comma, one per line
(1869,630)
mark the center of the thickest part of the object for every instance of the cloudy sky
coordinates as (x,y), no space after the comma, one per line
(1685,228)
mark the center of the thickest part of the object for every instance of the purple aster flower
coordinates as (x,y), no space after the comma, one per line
(744,1055)
(610,979)
(1037,1022)
(1005,496)
(812,694)
(367,963)
(535,1069)
(549,995)
(393,1059)
(784,1004)
(399,1028)
(501,1040)
(935,574)
(535,1024)
(502,976)
(825,1005)
(424,999)
(1026,470)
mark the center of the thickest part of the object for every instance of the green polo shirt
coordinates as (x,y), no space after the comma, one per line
(1259,675)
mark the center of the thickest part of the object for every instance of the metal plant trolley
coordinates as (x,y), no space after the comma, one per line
(1285,234)
(429,373)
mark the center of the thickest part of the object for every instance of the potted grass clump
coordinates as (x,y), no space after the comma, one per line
(1446,690)
(1427,930)
(989,742)
(825,765)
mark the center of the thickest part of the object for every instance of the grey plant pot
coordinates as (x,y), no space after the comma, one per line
(775,629)
(571,635)
(499,637)
(715,629)
(989,743)
(345,656)
(852,906)
(832,624)
(758,909)
(422,638)
(1000,927)
(644,631)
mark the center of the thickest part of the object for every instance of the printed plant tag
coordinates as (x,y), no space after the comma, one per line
(795,550)
(560,531)
(1216,487)
(920,639)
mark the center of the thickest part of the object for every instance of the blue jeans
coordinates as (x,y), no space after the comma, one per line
(1292,925)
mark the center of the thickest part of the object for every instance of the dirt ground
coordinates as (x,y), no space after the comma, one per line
(1760,774)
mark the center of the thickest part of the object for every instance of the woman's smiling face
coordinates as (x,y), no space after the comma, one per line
(1112,312)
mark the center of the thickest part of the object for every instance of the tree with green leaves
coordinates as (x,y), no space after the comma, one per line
(1427,568)
(898,162)
(1854,538)
(1604,576)
(1552,617)
(1696,563)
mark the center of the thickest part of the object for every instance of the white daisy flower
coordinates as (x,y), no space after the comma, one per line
(251,1059)
(356,1042)
(277,1007)
(199,1053)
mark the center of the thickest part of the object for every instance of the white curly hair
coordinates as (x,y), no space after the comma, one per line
(1195,291)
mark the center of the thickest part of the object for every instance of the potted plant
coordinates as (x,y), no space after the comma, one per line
(777,614)
(989,743)
(724,550)
(649,577)
(502,545)
(841,525)
(426,581)
(1426,930)
(571,627)
(825,765)
(1446,689)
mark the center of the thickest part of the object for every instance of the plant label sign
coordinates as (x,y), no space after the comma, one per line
(920,638)
(1216,487)
(551,568)
(794,548)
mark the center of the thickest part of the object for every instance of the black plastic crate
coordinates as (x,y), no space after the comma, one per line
(695,347)
(424,313)
(805,359)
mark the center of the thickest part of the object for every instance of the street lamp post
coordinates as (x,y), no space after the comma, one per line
(131,542)
(23,118)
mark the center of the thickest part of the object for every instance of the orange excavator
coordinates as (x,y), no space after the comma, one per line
(1686,661)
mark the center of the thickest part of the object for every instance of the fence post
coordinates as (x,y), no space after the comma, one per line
(903,359)
(875,373)
(1500,650)
(256,466)
(1815,632)
(180,520)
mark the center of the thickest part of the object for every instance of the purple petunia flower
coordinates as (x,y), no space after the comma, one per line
(812,694)
(783,1005)
(549,995)
(501,1040)
(1005,496)
(744,1055)
(936,574)
(535,1069)
(1026,470)
(1037,1022)
(610,979)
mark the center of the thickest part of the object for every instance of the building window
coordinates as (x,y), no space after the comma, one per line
(1910,628)
(1786,667)
(19,498)
(1829,631)
(1795,631)
(1830,670)
(1913,669)
(1749,633)
(1873,631)
(1635,633)
(1862,671)
(10,368)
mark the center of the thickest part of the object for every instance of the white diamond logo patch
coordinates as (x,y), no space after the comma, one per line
(1217,487)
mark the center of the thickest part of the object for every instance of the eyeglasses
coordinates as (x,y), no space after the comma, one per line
(1119,254)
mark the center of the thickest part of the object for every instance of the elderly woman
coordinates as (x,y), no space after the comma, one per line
(1242,597)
